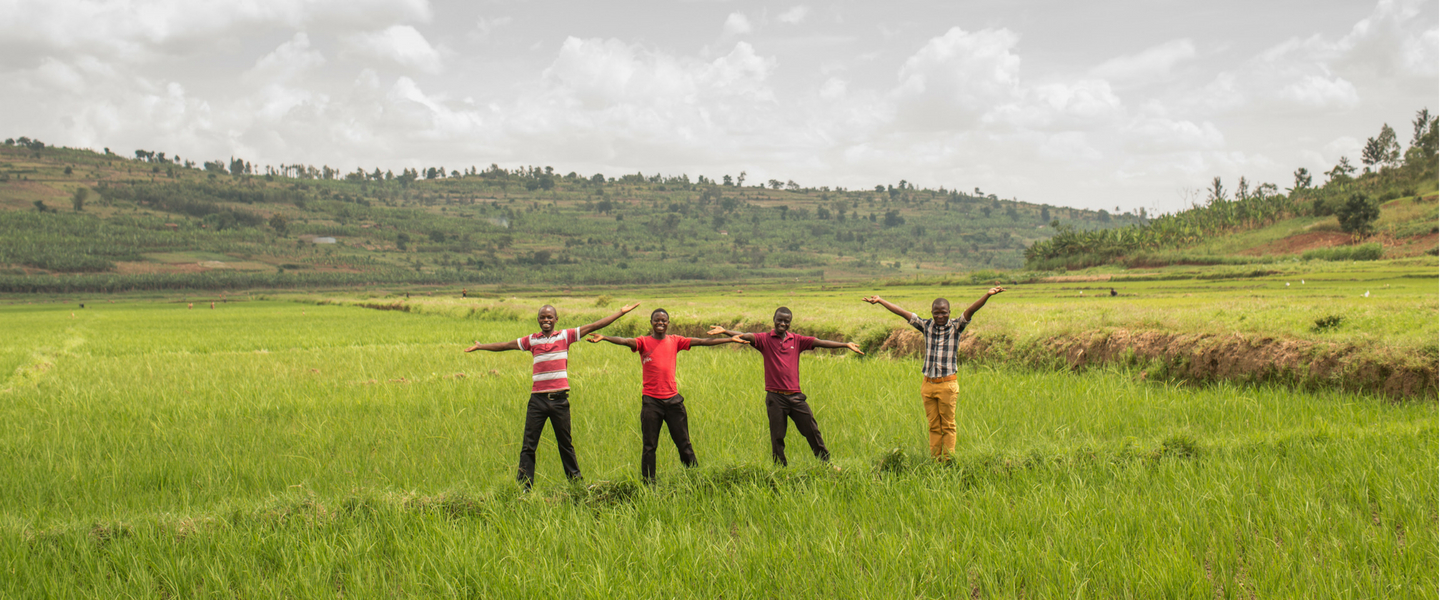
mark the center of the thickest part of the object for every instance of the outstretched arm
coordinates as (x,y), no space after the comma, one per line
(742,337)
(902,313)
(981,302)
(716,341)
(618,341)
(495,346)
(603,323)
(819,343)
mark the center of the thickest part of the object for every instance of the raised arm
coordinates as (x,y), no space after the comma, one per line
(819,343)
(716,341)
(618,341)
(603,323)
(902,313)
(495,346)
(969,312)
(740,336)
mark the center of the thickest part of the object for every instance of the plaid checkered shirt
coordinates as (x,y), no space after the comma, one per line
(940,344)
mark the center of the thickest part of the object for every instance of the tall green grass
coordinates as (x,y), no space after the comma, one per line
(273,449)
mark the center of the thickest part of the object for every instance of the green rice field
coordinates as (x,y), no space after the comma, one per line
(268,449)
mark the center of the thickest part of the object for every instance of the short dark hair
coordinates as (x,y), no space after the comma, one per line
(552,309)
(783,311)
(940,302)
(658,311)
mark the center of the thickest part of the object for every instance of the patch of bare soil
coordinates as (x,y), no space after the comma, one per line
(1208,357)
(1411,246)
(1296,244)
(152,268)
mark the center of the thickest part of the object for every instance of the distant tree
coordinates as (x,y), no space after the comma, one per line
(727,180)
(1105,215)
(1045,214)
(1424,143)
(40,206)
(740,181)
(430,173)
(1216,192)
(278,223)
(547,182)
(893,218)
(879,188)
(1358,214)
(1302,180)
(1012,213)
(1389,146)
(237,166)
(792,186)
(401,240)
(985,210)
(822,213)
(69,170)
(78,198)
(597,178)
(1342,170)
(775,184)
(1242,191)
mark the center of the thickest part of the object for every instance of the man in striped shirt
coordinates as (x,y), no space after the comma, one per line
(940,389)
(550,387)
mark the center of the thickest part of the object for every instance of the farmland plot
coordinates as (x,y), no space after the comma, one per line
(269,449)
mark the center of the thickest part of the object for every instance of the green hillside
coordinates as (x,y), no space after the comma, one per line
(157,222)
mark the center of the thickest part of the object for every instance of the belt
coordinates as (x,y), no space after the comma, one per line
(940,379)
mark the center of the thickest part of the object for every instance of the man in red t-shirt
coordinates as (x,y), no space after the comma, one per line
(781,350)
(549,388)
(660,399)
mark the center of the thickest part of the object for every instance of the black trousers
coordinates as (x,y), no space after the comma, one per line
(554,406)
(779,406)
(671,412)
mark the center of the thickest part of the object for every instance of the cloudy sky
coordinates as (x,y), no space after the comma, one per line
(1125,103)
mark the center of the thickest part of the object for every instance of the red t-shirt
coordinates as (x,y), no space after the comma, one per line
(782,359)
(657,364)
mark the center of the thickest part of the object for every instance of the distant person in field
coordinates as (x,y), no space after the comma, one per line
(780,351)
(941,387)
(550,387)
(660,399)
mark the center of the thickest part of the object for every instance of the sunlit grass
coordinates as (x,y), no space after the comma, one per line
(268,448)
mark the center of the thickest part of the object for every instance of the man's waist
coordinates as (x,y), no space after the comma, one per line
(950,377)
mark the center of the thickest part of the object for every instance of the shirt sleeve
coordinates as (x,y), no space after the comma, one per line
(682,344)
(639,344)
(803,343)
(524,342)
(917,322)
(572,334)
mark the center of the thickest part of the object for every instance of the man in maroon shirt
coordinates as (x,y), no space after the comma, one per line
(660,399)
(550,386)
(780,351)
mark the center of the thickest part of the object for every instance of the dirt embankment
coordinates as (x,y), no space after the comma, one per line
(1206,358)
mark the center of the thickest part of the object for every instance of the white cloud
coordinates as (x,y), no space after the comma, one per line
(955,78)
(401,44)
(1317,91)
(140,29)
(1151,63)
(736,24)
(794,15)
(287,61)
(484,27)
(833,88)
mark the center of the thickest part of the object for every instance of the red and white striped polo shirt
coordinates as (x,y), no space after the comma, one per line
(551,352)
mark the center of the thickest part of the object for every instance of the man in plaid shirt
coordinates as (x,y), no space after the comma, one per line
(942,336)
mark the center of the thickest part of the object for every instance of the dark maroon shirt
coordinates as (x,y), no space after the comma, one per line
(782,359)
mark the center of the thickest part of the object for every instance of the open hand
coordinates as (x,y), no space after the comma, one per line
(595,338)
(995,290)
(738,340)
(854,347)
(872,299)
(629,308)
(716,330)
(473,348)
